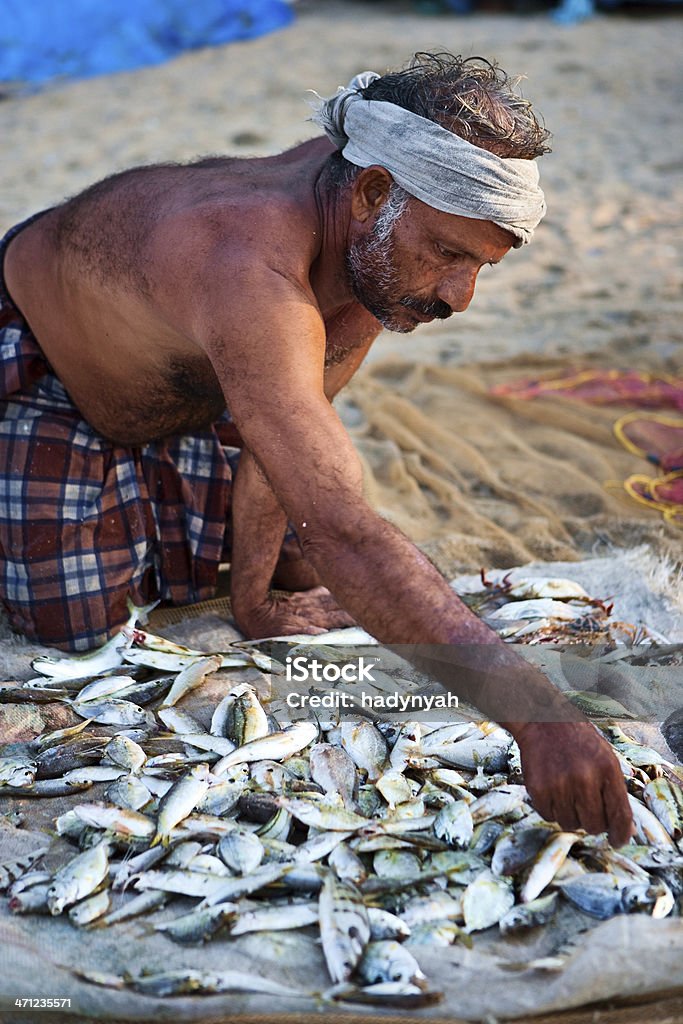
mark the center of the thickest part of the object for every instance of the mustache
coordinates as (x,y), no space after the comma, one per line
(437,309)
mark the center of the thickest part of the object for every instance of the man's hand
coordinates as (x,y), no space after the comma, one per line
(309,611)
(574,778)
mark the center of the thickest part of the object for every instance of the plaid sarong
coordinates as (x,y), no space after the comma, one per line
(85,523)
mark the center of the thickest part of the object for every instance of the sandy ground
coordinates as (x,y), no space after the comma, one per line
(474,481)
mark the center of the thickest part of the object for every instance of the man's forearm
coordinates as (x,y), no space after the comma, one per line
(258,524)
(394,592)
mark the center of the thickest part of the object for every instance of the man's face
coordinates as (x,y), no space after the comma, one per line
(423,266)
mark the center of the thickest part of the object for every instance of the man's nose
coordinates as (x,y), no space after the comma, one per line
(458,288)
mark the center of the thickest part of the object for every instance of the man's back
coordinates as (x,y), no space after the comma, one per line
(110,281)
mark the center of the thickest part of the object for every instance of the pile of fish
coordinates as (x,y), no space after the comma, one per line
(388,837)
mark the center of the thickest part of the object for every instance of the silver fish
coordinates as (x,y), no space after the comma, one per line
(245,718)
(112,712)
(107,686)
(388,960)
(454,824)
(384,925)
(179,721)
(125,752)
(292,915)
(334,771)
(597,894)
(241,851)
(547,863)
(277,745)
(190,678)
(90,909)
(129,793)
(199,925)
(344,927)
(180,801)
(143,903)
(78,878)
(101,660)
(366,747)
(529,915)
(486,900)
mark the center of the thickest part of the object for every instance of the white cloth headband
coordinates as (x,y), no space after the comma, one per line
(443,170)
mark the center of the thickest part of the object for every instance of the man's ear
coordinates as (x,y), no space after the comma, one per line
(369,193)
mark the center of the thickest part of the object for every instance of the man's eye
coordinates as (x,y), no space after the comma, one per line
(448,254)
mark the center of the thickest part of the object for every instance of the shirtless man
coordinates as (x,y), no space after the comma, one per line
(134,312)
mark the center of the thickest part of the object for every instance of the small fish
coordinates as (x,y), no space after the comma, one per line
(245,718)
(241,851)
(180,801)
(395,788)
(517,850)
(78,878)
(346,864)
(199,925)
(234,888)
(129,793)
(179,721)
(31,901)
(436,933)
(332,817)
(649,829)
(498,802)
(665,800)
(100,688)
(389,961)
(335,772)
(51,739)
(145,902)
(396,864)
(190,678)
(597,894)
(182,881)
(112,712)
(439,906)
(90,909)
(187,980)
(114,819)
(366,747)
(454,824)
(276,746)
(222,797)
(125,752)
(17,771)
(529,915)
(344,927)
(282,918)
(384,925)
(101,660)
(547,864)
(528,587)
(486,900)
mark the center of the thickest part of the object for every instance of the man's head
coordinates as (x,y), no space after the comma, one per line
(392,227)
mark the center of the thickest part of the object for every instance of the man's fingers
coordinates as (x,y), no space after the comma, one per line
(619,816)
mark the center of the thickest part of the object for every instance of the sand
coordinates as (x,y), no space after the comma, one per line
(475,481)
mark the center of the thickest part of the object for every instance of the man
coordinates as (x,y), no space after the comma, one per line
(136,310)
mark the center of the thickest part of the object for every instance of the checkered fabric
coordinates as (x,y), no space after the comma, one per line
(85,523)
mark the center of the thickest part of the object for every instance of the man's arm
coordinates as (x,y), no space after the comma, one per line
(270,361)
(258,529)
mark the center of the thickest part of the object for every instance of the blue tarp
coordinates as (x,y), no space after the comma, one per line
(43,39)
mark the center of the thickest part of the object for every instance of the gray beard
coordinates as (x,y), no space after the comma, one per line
(375,282)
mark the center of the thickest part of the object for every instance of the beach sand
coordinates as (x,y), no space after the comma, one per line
(475,481)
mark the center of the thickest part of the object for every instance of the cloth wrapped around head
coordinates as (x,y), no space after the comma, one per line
(433,164)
